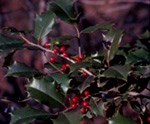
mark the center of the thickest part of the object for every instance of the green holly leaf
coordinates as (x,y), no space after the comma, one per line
(119,119)
(79,65)
(64,10)
(43,24)
(62,80)
(86,83)
(27,114)
(71,117)
(44,90)
(20,69)
(145,35)
(91,29)
(138,55)
(144,71)
(96,107)
(117,71)
(114,37)
(7,44)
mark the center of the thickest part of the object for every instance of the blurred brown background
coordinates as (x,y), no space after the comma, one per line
(130,15)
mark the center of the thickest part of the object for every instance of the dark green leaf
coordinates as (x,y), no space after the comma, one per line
(138,55)
(79,65)
(20,69)
(63,9)
(114,36)
(145,35)
(63,80)
(119,119)
(71,117)
(144,71)
(86,83)
(26,115)
(52,65)
(43,24)
(96,108)
(13,31)
(8,44)
(118,71)
(91,29)
(44,90)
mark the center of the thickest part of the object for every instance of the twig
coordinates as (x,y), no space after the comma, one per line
(50,51)
(42,48)
(78,38)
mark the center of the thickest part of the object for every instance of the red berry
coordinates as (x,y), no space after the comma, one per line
(148,119)
(81,56)
(86,93)
(62,49)
(65,54)
(85,104)
(55,51)
(73,106)
(77,58)
(47,45)
(52,59)
(65,66)
(83,110)
(75,99)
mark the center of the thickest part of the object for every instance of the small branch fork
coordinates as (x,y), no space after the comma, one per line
(50,51)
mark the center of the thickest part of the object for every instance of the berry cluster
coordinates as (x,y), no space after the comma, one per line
(61,50)
(79,100)
(65,67)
